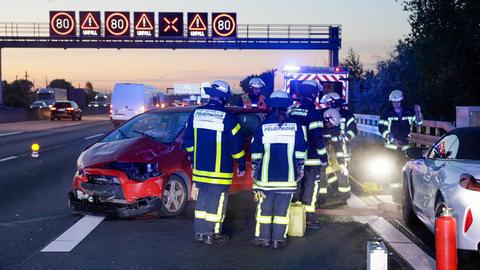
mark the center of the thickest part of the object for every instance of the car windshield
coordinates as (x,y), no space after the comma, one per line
(469,146)
(163,127)
(62,105)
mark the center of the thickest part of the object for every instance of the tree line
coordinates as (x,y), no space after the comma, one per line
(437,65)
(21,93)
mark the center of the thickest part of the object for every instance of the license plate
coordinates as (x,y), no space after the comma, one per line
(61,110)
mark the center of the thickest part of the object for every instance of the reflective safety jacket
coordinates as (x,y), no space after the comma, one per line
(399,125)
(348,126)
(277,150)
(249,102)
(213,139)
(308,117)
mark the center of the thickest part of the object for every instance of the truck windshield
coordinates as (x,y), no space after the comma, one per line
(163,127)
(45,96)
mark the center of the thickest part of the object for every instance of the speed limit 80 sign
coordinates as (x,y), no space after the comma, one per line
(224,25)
(62,23)
(117,24)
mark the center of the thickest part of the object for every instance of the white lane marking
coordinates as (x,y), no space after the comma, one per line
(69,125)
(93,136)
(74,235)
(8,158)
(11,133)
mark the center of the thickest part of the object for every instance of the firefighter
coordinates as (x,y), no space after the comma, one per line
(313,183)
(278,153)
(214,140)
(395,125)
(338,153)
(346,133)
(254,97)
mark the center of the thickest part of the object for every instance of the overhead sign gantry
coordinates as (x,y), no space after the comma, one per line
(166,30)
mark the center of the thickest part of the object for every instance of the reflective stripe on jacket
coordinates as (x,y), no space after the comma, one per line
(214,139)
(400,126)
(277,149)
(309,118)
(247,102)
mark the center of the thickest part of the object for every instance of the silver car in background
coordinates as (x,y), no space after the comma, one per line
(446,175)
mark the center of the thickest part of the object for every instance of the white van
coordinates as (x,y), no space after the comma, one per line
(130,99)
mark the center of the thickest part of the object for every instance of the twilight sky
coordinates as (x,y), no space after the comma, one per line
(370,27)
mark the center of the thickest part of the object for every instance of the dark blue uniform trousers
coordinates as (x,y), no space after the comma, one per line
(210,208)
(273,216)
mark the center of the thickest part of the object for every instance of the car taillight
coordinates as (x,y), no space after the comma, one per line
(469,182)
(53,108)
(468,220)
(69,109)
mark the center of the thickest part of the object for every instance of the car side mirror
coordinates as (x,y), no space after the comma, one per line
(415,152)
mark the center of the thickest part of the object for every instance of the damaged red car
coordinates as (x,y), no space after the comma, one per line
(140,167)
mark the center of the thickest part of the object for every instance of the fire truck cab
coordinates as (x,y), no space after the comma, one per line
(333,79)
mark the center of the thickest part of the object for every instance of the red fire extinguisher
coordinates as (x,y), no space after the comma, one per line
(446,241)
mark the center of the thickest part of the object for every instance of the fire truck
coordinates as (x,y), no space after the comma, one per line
(333,79)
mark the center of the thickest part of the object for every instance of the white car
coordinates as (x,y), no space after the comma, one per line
(446,175)
(131,99)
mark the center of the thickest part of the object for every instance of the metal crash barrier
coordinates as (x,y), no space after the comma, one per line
(424,135)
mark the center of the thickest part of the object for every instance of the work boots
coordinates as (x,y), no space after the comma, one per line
(200,238)
(216,238)
(259,242)
(279,244)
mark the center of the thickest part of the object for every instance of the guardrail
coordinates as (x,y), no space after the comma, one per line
(424,135)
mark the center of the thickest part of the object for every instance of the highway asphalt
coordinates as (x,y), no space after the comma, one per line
(34,212)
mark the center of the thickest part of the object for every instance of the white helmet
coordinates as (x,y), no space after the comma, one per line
(395,96)
(329,97)
(279,99)
(332,116)
(218,88)
(256,82)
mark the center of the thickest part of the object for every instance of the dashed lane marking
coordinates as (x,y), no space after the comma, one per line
(93,136)
(8,158)
(74,235)
(11,133)
(69,125)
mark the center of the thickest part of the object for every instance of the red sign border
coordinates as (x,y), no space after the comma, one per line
(127,28)
(58,13)
(219,15)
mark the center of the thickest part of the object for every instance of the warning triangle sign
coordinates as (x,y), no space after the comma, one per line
(89,23)
(197,24)
(144,23)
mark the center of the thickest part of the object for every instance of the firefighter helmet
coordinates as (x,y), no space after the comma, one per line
(256,82)
(279,99)
(395,96)
(218,88)
(332,116)
(329,97)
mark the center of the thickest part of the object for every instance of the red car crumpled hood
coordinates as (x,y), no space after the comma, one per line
(141,149)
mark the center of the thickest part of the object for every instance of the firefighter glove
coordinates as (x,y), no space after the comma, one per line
(259,195)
